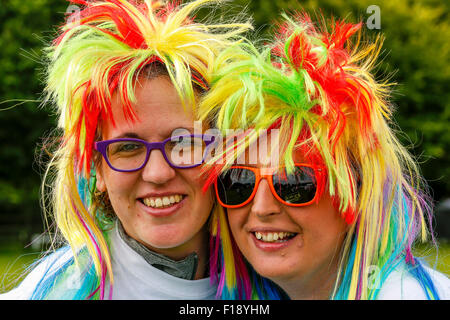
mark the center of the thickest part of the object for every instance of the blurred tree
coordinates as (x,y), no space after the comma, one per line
(25,27)
(416,52)
(416,55)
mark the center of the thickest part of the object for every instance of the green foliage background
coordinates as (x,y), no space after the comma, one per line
(416,52)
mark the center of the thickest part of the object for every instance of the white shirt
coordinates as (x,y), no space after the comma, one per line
(401,285)
(134,278)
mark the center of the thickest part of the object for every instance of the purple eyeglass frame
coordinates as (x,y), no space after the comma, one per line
(101,147)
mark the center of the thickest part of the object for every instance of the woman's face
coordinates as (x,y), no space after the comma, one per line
(307,257)
(175,229)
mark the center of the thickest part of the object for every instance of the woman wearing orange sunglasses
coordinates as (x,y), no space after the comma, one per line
(336,218)
(286,230)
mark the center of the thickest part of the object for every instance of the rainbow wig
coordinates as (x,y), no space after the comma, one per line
(102,50)
(316,87)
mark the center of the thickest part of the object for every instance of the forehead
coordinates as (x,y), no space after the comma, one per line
(157,108)
(262,151)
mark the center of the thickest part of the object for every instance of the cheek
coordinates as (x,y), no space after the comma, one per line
(203,203)
(119,185)
(323,226)
(236,221)
(334,225)
(195,183)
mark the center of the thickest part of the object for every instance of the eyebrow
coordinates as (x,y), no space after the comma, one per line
(128,135)
(190,129)
(246,165)
(165,135)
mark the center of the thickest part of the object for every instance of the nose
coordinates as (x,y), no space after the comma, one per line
(157,170)
(264,203)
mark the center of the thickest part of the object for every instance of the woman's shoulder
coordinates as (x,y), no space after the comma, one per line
(402,284)
(40,270)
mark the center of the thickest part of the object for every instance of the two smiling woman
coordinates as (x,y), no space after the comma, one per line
(137,218)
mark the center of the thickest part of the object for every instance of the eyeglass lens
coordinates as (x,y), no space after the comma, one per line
(237,185)
(297,187)
(181,151)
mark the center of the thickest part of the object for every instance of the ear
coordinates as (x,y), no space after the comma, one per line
(100,182)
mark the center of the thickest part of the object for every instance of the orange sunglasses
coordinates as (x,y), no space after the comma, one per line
(237,186)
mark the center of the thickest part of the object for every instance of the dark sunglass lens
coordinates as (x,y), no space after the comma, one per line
(235,186)
(297,187)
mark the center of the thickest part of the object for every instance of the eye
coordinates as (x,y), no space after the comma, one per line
(129,147)
(185,142)
(125,147)
(182,141)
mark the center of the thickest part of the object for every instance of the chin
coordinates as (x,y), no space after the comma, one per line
(276,271)
(163,239)
(272,274)
(164,242)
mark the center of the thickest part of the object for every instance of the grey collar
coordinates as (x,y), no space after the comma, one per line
(184,269)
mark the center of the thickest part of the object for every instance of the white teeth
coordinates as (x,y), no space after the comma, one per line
(273,236)
(163,201)
(166,201)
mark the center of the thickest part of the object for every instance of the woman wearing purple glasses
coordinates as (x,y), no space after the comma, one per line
(157,193)
(127,195)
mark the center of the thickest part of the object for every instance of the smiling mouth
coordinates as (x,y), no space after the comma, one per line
(274,237)
(162,202)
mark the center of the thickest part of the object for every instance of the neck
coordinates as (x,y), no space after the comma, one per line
(198,244)
(196,249)
(315,286)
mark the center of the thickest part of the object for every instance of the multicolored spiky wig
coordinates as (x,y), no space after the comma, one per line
(102,50)
(317,88)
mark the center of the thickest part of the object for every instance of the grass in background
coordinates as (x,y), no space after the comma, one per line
(14,262)
(437,259)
